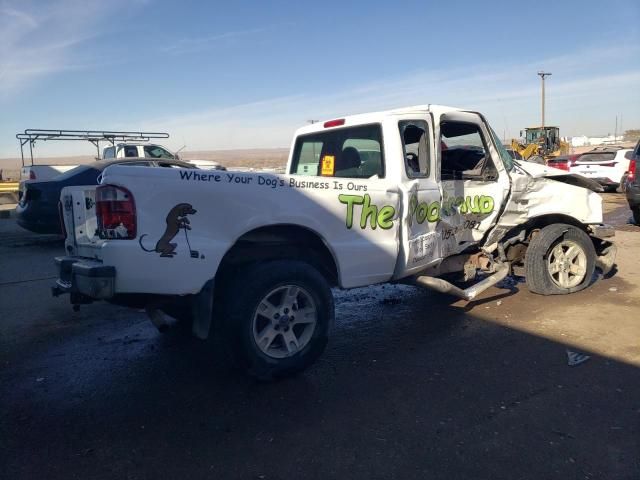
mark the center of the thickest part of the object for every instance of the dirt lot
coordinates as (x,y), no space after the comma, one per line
(413,385)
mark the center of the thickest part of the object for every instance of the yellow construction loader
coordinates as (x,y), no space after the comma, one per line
(540,144)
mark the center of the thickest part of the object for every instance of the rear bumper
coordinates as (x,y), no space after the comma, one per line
(84,279)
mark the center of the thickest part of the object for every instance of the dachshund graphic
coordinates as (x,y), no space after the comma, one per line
(176,219)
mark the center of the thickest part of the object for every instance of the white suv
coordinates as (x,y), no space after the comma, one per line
(605,165)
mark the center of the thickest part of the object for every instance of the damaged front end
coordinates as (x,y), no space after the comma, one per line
(542,195)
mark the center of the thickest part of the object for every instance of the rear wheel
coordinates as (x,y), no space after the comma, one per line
(560,259)
(277,317)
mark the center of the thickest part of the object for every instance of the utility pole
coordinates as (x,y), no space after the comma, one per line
(542,75)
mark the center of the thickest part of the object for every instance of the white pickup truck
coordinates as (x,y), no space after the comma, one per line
(151,150)
(405,195)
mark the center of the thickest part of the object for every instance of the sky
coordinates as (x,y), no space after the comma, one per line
(246,74)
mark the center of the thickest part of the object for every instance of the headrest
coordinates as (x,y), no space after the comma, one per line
(350,158)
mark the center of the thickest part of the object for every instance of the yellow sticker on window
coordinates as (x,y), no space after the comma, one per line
(328,165)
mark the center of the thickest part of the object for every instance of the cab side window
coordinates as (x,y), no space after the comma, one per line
(352,152)
(415,146)
(464,154)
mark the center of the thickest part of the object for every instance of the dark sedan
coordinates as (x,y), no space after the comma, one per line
(38,207)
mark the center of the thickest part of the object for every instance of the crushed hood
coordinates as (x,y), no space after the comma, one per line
(542,171)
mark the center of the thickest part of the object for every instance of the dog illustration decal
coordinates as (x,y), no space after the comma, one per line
(176,220)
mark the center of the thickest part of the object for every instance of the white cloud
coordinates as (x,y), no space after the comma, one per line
(198,44)
(584,94)
(39,39)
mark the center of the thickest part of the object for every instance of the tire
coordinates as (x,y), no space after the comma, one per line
(636,215)
(263,336)
(548,271)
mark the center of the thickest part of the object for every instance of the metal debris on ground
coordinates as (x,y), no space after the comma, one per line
(576,358)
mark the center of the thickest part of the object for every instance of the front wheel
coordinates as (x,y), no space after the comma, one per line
(277,317)
(560,259)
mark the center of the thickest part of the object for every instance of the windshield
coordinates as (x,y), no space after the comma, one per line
(507,160)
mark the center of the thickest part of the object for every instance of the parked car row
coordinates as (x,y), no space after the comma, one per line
(608,166)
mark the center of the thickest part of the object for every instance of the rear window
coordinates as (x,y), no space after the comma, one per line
(130,151)
(354,152)
(597,157)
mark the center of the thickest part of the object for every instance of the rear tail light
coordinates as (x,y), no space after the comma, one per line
(560,165)
(29,195)
(32,175)
(632,170)
(115,213)
(573,159)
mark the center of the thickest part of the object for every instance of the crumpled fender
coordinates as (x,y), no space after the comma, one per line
(542,171)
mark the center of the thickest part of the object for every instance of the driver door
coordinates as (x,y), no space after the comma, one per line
(475,183)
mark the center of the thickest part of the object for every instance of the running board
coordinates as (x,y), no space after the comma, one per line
(470,293)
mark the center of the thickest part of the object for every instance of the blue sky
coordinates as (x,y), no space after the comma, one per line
(220,75)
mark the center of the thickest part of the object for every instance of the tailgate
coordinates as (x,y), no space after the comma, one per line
(78,210)
(595,164)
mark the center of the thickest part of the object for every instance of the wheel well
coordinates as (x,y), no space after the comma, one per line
(544,220)
(515,249)
(280,242)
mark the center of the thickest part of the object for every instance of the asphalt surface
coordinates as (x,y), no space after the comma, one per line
(413,385)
